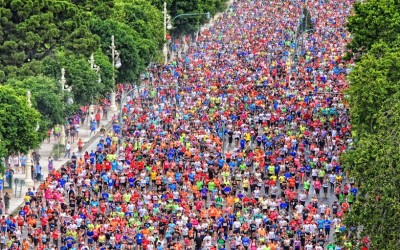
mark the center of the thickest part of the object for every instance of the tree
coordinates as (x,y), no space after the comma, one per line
(18,122)
(99,8)
(131,47)
(374,95)
(372,21)
(143,17)
(305,22)
(31,68)
(186,25)
(375,165)
(84,81)
(375,78)
(34,29)
(45,98)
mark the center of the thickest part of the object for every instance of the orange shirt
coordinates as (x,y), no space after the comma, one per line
(146,231)
(212,211)
(114,223)
(230,200)
(31,221)
(25,245)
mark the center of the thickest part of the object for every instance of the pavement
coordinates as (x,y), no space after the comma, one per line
(45,151)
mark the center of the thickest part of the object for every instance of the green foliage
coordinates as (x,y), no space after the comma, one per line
(372,21)
(18,122)
(78,74)
(45,98)
(100,8)
(375,165)
(33,29)
(375,78)
(128,43)
(374,95)
(58,151)
(38,38)
(187,24)
(143,17)
(305,22)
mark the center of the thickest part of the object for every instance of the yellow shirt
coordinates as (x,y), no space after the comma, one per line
(102,238)
(27,198)
(246,183)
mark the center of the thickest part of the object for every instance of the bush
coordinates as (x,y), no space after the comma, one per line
(58,151)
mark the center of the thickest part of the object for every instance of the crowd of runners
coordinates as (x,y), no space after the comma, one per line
(235,145)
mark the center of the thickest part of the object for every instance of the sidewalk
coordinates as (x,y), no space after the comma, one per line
(45,152)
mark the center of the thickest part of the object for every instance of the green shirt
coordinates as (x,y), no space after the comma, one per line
(306,185)
(199,185)
(127,197)
(330,247)
(221,242)
(341,198)
(218,201)
(271,169)
(350,197)
(211,185)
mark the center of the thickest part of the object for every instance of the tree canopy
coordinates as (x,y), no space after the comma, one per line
(305,22)
(18,122)
(45,98)
(373,96)
(372,21)
(185,25)
(374,163)
(375,78)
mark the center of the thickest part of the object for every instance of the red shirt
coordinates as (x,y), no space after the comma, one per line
(107,165)
(98,167)
(140,165)
(43,220)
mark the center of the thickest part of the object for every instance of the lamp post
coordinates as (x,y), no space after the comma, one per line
(168,25)
(116,63)
(96,68)
(63,82)
(207,14)
(298,26)
(165,47)
(28,171)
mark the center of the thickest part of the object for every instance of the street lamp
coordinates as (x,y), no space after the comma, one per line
(28,170)
(207,14)
(63,88)
(116,63)
(166,20)
(96,68)
(168,25)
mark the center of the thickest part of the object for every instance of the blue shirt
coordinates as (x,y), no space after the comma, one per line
(327,224)
(320,223)
(139,238)
(38,169)
(246,241)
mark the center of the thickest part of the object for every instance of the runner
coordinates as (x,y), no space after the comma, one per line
(225,148)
